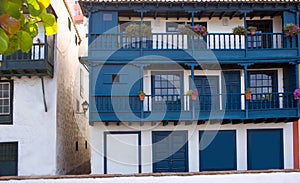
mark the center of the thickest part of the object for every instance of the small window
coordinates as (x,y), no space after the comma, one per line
(6,102)
(76,2)
(69,24)
(76,40)
(9,159)
(173,26)
(116,78)
(76,145)
(86,145)
(77,105)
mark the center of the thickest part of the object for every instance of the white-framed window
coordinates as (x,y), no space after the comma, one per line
(5,98)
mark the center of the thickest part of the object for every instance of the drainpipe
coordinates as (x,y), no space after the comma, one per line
(44,97)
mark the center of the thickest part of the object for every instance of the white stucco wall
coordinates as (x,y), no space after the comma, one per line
(97,140)
(214,25)
(33,128)
(72,124)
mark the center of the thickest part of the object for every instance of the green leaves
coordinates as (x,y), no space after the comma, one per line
(12,7)
(3,41)
(49,23)
(17,30)
(24,41)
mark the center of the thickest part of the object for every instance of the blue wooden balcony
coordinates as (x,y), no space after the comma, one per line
(227,48)
(37,62)
(230,108)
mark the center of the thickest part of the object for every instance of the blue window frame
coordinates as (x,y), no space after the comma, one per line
(262,82)
(217,150)
(265,149)
(166,84)
(167,88)
(263,85)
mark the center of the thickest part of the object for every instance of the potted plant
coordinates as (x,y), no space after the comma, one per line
(193,93)
(239,30)
(248,94)
(291,30)
(252,30)
(142,95)
(297,94)
(137,30)
(198,30)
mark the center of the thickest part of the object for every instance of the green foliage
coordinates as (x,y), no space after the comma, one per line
(136,30)
(248,90)
(239,30)
(17,28)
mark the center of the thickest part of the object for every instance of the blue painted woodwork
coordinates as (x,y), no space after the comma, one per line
(37,62)
(262,85)
(217,150)
(170,151)
(265,149)
(119,132)
(226,47)
(167,84)
(288,17)
(115,49)
(231,84)
(161,111)
(289,71)
(102,22)
(129,80)
(209,98)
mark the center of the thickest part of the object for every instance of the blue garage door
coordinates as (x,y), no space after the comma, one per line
(170,151)
(217,150)
(8,159)
(265,149)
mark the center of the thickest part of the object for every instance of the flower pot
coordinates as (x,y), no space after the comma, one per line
(252,33)
(142,97)
(194,97)
(248,96)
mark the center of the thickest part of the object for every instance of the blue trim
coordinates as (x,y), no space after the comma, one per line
(218,152)
(121,132)
(269,137)
(170,149)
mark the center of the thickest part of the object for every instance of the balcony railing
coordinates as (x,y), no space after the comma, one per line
(175,41)
(38,61)
(177,103)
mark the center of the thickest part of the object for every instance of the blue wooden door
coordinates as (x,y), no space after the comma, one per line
(170,151)
(265,149)
(232,89)
(217,150)
(208,87)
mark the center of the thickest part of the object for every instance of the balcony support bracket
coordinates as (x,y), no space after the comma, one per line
(44,96)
